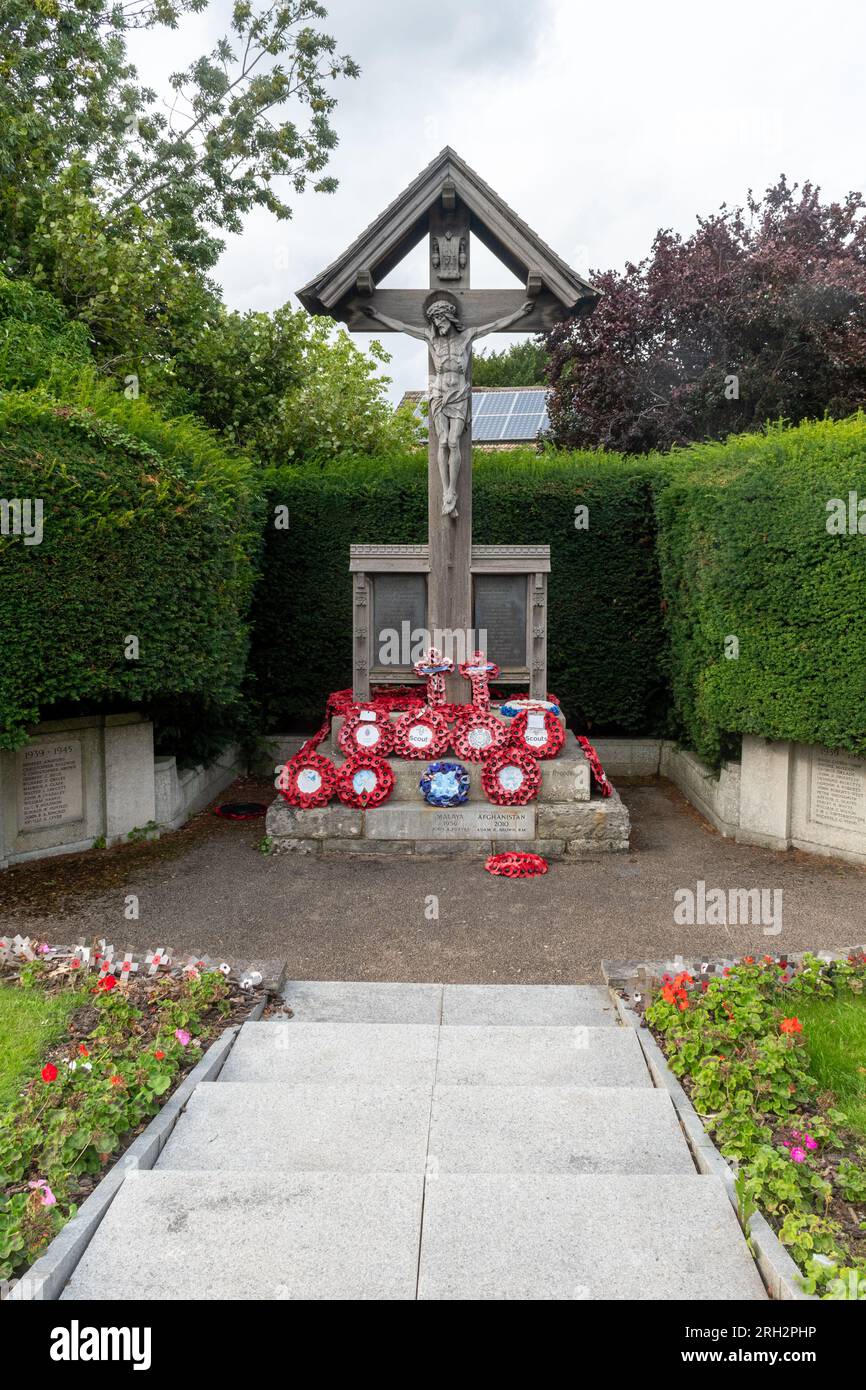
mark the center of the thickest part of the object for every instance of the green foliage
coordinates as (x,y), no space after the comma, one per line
(194,159)
(741,1046)
(745,552)
(605,621)
(29,1021)
(37,341)
(285,387)
(149,529)
(522,363)
(72,1120)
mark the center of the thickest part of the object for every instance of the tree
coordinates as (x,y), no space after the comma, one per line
(522,363)
(760,314)
(256,108)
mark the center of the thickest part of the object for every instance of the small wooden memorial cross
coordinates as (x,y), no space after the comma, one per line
(448,203)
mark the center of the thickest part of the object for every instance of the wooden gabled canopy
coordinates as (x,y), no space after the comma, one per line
(448,183)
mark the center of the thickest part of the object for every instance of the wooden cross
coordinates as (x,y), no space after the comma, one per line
(448,203)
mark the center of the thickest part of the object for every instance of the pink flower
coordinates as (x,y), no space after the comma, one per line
(810,1142)
(48,1197)
(182,1036)
(797,1155)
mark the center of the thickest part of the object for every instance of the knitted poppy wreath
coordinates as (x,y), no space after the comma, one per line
(510,777)
(366,732)
(364,780)
(538,732)
(308,780)
(421,733)
(477,735)
(516,864)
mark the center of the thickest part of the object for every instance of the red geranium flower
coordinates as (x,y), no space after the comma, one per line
(49,1072)
(83,1050)
(117,1080)
(159,1056)
(107,982)
(790,1025)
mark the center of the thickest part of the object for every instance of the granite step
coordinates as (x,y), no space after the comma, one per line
(272,1128)
(346,1054)
(536,1056)
(336,1001)
(204,1235)
(589,1236)
(413,1054)
(347,1236)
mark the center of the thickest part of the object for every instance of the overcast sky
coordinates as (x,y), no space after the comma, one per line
(597,123)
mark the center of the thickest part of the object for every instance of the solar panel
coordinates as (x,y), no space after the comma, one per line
(506,416)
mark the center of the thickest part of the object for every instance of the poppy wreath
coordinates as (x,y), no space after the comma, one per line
(598,773)
(477,735)
(364,780)
(308,780)
(513,790)
(430,725)
(359,735)
(553,734)
(516,864)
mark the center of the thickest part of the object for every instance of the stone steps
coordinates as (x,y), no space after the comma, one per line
(335,1001)
(425,1141)
(272,1128)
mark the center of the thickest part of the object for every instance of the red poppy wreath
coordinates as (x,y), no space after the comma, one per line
(538,732)
(478,735)
(365,732)
(510,777)
(308,780)
(364,780)
(422,733)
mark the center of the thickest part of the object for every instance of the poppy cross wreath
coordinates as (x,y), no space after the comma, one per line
(364,780)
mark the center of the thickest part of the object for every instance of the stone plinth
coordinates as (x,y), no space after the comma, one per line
(564,822)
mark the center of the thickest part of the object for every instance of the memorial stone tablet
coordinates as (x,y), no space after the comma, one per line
(500,610)
(837,790)
(399,607)
(50,786)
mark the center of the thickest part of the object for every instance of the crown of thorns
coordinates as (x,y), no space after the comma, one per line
(443,306)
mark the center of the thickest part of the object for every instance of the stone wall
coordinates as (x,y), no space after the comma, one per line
(81,782)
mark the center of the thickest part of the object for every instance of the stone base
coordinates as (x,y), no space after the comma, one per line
(564,823)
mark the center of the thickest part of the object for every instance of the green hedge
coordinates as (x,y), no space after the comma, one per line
(149,529)
(605,621)
(745,553)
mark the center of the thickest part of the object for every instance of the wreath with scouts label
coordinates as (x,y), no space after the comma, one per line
(538,732)
(510,777)
(421,734)
(365,732)
(308,780)
(364,780)
(477,735)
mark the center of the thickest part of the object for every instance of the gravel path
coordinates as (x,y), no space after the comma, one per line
(207,889)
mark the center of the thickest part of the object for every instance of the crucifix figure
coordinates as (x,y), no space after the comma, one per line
(449,387)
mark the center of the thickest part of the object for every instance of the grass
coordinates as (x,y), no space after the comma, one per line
(834,1031)
(30,1020)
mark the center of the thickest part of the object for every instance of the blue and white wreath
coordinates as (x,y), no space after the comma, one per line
(445,784)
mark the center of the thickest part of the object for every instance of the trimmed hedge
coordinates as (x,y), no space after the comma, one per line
(605,620)
(150,529)
(745,553)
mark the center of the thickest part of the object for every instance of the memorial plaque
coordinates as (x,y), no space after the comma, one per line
(50,784)
(837,791)
(399,609)
(500,610)
(421,822)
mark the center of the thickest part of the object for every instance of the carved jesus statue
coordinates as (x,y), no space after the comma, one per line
(450,347)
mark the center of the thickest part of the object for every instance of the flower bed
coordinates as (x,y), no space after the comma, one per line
(94,1090)
(739,1048)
